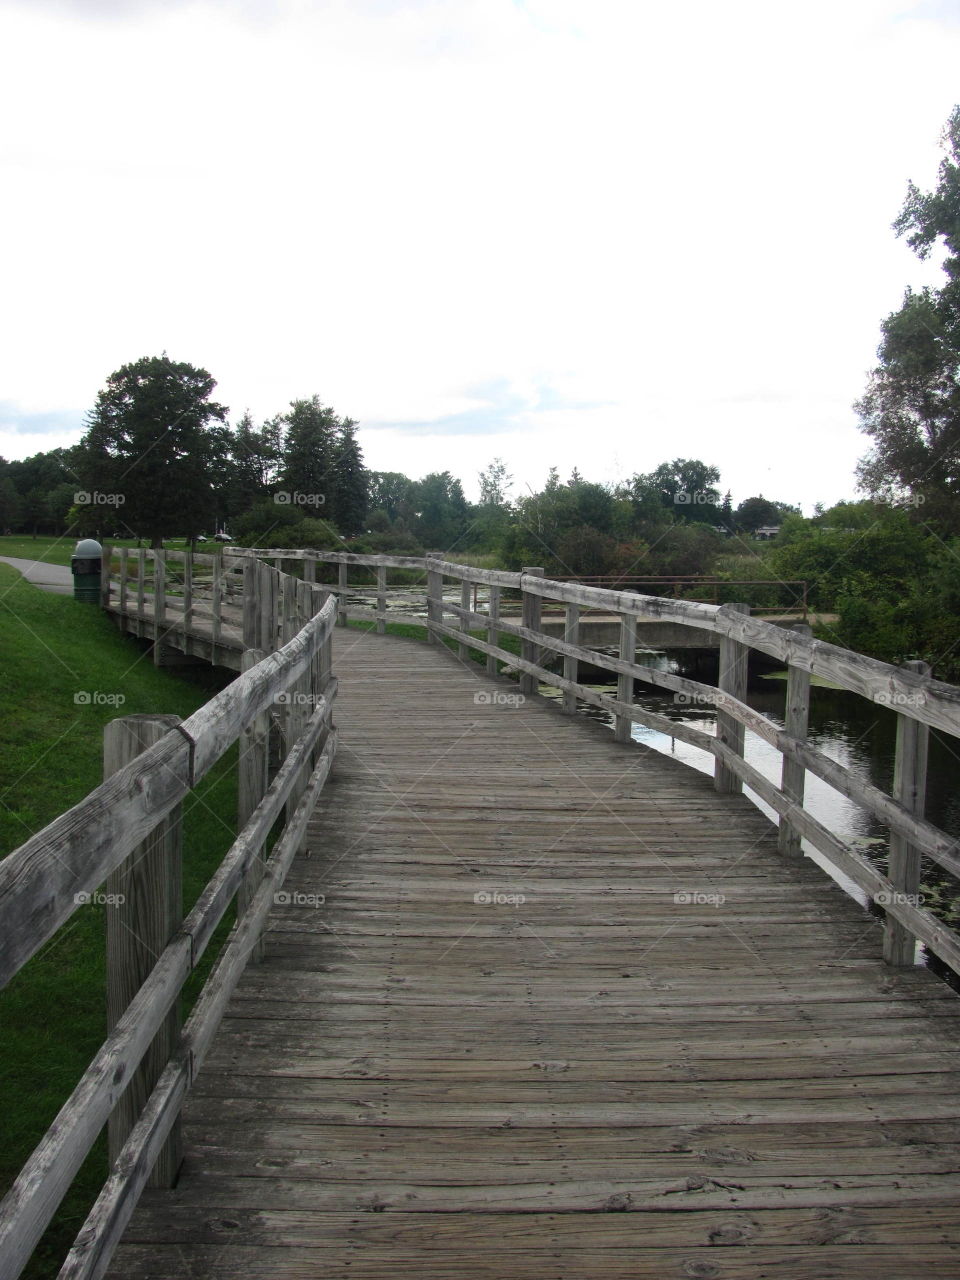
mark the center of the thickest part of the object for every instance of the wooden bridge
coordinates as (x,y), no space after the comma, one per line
(533,1001)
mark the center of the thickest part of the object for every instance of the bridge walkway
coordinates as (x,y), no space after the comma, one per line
(539,1004)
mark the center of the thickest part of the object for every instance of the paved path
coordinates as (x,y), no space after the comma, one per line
(51,577)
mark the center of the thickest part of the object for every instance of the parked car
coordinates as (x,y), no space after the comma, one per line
(222,537)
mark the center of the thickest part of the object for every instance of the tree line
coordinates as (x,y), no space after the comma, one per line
(159,459)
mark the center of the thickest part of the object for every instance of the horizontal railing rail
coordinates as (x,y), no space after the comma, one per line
(125,833)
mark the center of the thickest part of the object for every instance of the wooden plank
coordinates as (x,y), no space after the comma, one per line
(529,651)
(381,599)
(145,914)
(793,774)
(623,725)
(571,635)
(252,782)
(909,791)
(732,680)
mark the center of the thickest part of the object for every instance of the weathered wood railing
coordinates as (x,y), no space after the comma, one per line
(919,702)
(125,833)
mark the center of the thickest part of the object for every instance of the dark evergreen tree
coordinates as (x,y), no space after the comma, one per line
(149,443)
(348,508)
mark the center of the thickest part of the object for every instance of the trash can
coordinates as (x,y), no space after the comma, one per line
(85,565)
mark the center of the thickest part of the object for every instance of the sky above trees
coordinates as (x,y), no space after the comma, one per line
(480,227)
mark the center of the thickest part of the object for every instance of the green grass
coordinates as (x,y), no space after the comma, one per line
(59,550)
(53,1011)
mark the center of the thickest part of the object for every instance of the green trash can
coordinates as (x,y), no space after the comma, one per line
(85,564)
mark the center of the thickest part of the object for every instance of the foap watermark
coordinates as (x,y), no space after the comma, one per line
(900,499)
(99,899)
(94,698)
(494,698)
(709,698)
(496,898)
(694,898)
(692,498)
(888,699)
(293,498)
(888,898)
(293,898)
(84,498)
(297,698)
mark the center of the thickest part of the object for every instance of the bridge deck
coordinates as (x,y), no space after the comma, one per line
(595,1081)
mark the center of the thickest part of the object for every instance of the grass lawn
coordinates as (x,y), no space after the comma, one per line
(59,550)
(53,1011)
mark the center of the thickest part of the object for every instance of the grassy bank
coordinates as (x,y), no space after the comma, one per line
(65,670)
(59,550)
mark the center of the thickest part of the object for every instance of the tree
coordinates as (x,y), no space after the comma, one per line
(754,512)
(309,452)
(348,509)
(254,456)
(149,447)
(441,510)
(684,486)
(323,469)
(495,484)
(911,408)
(389,491)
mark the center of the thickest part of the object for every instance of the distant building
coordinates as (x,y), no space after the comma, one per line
(766,532)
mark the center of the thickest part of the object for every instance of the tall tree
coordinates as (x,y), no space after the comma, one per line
(495,484)
(348,509)
(309,453)
(149,447)
(911,408)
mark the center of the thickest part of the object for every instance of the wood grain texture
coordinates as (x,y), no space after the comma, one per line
(542,1004)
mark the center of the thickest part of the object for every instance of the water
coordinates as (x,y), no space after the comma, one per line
(857,734)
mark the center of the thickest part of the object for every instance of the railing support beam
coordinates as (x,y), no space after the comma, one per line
(144,909)
(732,680)
(793,775)
(532,609)
(909,790)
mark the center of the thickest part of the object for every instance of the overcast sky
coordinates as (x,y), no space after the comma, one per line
(601,233)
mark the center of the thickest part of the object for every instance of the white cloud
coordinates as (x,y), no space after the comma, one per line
(680,213)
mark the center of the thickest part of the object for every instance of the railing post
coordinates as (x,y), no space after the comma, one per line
(623,725)
(216,607)
(159,602)
(493,630)
(251,787)
(141,582)
(269,606)
(571,666)
(251,604)
(343,571)
(463,651)
(381,599)
(434,598)
(796,718)
(910,791)
(187,595)
(732,680)
(144,908)
(532,608)
(106,559)
(123,579)
(309,568)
